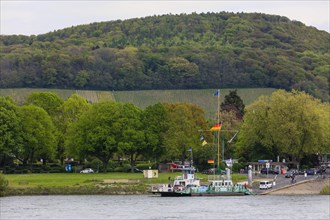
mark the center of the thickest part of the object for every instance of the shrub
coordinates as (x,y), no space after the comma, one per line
(96,165)
(222,165)
(143,166)
(126,167)
(118,169)
(3,185)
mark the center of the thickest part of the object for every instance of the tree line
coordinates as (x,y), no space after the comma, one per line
(292,125)
(194,51)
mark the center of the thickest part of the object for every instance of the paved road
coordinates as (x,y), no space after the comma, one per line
(281,181)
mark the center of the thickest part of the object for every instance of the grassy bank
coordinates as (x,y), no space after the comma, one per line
(325,190)
(79,184)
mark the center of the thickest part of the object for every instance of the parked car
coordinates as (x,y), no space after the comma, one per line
(87,170)
(311,171)
(269,171)
(135,170)
(265,184)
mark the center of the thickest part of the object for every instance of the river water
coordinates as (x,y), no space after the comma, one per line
(94,207)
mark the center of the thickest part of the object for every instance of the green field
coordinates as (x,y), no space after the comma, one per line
(201,97)
(78,179)
(87,184)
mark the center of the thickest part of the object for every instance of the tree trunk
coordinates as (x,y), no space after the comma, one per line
(105,165)
(132,162)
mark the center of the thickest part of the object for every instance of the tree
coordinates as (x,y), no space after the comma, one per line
(181,72)
(10,130)
(38,135)
(132,140)
(254,139)
(51,103)
(291,124)
(69,113)
(104,130)
(230,128)
(233,102)
(155,122)
(47,100)
(185,121)
(95,133)
(298,125)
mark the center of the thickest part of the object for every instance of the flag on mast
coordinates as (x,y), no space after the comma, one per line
(216,127)
(216,93)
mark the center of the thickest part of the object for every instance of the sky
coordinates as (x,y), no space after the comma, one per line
(38,17)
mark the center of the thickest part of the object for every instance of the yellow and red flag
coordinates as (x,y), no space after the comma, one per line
(216,127)
(210,161)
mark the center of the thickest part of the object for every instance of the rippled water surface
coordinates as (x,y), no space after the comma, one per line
(154,207)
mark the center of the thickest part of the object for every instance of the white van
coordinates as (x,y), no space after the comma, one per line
(265,184)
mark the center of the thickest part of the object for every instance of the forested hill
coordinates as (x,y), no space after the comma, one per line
(211,50)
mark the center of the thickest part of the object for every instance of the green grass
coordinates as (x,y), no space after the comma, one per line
(325,190)
(65,179)
(78,179)
(88,184)
(201,97)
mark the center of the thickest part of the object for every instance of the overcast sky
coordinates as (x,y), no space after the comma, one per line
(38,17)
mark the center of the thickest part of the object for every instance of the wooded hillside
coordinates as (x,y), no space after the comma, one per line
(195,51)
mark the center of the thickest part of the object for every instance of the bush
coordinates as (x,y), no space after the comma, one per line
(222,165)
(118,169)
(96,165)
(3,185)
(144,166)
(126,167)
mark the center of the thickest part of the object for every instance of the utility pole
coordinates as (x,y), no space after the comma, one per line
(219,131)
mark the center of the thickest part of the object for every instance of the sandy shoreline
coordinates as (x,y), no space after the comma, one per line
(313,187)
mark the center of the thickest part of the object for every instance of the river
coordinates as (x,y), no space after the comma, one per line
(95,207)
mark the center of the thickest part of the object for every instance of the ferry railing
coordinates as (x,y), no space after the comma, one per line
(161,188)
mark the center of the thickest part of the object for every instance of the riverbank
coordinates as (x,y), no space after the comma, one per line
(312,187)
(109,189)
(123,184)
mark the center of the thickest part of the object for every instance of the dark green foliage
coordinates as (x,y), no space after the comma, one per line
(233,102)
(208,50)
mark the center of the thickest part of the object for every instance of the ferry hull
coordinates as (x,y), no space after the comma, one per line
(219,194)
(173,194)
(185,194)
